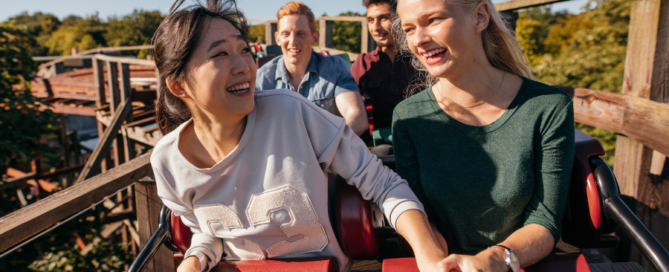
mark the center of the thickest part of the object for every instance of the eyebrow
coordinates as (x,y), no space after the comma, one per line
(385,14)
(219,42)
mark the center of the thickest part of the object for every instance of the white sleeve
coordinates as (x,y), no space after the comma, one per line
(210,246)
(348,156)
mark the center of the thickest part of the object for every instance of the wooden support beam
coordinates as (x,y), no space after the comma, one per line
(30,220)
(148,216)
(634,154)
(99,79)
(105,140)
(364,44)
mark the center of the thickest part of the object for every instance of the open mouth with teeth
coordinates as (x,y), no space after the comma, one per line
(435,55)
(294,51)
(239,88)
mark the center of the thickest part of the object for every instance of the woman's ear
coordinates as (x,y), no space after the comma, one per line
(175,88)
(482,13)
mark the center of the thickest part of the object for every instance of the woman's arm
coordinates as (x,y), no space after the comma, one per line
(530,243)
(413,226)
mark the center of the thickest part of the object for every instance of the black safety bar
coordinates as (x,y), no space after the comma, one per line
(152,246)
(615,208)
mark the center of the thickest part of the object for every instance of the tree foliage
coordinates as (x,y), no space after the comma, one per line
(256,34)
(39,26)
(82,33)
(134,29)
(22,124)
(585,50)
(347,35)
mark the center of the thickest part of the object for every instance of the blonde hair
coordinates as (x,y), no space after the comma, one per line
(499,43)
(297,8)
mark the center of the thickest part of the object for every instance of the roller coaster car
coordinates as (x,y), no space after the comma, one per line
(593,211)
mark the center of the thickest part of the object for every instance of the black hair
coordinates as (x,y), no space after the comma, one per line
(174,42)
(392,3)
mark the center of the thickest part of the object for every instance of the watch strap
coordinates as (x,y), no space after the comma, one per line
(510,259)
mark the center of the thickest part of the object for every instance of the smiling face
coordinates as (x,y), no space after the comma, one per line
(220,72)
(443,35)
(379,19)
(295,38)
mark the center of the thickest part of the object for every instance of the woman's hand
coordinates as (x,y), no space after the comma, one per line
(190,264)
(490,260)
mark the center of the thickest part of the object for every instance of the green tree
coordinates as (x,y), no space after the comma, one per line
(347,35)
(39,26)
(256,34)
(22,124)
(585,50)
(133,29)
(76,32)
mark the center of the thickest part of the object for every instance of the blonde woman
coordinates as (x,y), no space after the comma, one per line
(487,150)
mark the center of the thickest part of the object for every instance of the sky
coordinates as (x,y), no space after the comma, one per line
(256,9)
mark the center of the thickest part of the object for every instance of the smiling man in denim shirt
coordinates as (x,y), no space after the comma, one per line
(326,81)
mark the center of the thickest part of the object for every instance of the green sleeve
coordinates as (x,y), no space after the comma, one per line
(553,162)
(406,161)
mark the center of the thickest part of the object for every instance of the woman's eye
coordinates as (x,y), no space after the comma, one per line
(221,54)
(246,50)
(407,30)
(432,20)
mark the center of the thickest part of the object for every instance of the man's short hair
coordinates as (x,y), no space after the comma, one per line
(297,8)
(392,3)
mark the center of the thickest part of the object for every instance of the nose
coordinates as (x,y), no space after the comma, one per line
(292,38)
(421,37)
(239,65)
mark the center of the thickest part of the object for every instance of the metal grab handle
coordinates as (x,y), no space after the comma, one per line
(615,208)
(153,244)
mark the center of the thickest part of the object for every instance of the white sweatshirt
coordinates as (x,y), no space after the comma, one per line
(268,198)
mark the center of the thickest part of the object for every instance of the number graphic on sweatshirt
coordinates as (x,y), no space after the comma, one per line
(211,215)
(303,221)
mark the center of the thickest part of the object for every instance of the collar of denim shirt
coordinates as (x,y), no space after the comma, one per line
(282,73)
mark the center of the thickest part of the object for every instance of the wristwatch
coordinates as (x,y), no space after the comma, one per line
(510,258)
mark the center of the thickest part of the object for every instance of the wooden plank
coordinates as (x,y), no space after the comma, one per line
(99,78)
(660,81)
(644,21)
(117,48)
(27,221)
(344,18)
(125,60)
(657,163)
(521,4)
(648,122)
(148,215)
(597,108)
(109,134)
(364,44)
(70,109)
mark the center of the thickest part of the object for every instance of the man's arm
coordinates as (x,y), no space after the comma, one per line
(353,110)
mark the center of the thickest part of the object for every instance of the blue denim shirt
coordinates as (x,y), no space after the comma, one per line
(326,78)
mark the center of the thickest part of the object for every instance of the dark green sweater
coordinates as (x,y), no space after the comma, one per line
(480,184)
